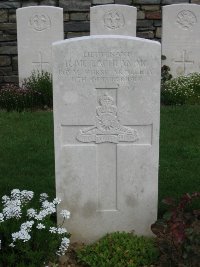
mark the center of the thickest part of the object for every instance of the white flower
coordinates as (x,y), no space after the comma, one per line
(21,235)
(43,197)
(31,213)
(61,231)
(12,245)
(63,246)
(56,201)
(53,230)
(5,199)
(40,226)
(26,196)
(27,225)
(48,207)
(1,217)
(65,214)
(12,209)
(15,194)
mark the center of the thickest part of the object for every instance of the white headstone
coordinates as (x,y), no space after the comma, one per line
(181,38)
(37,28)
(106,119)
(113,19)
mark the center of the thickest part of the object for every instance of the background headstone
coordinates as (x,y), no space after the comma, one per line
(181,38)
(106,129)
(37,28)
(113,19)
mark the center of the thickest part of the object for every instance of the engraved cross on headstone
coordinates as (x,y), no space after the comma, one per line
(40,64)
(107,134)
(184,61)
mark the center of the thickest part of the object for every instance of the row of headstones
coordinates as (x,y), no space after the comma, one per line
(106,91)
(39,27)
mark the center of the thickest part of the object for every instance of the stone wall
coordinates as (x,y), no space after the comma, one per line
(76,23)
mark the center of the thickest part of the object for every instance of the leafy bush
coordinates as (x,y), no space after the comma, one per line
(29,237)
(41,82)
(36,92)
(119,250)
(178,233)
(165,74)
(19,99)
(181,90)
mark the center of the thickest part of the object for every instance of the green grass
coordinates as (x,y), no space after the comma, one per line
(27,152)
(179,151)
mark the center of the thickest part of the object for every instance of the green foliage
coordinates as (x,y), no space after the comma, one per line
(181,90)
(165,74)
(178,233)
(19,99)
(41,82)
(35,93)
(119,250)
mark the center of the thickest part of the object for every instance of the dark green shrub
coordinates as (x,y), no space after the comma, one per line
(41,82)
(35,93)
(181,90)
(14,98)
(165,74)
(119,250)
(178,234)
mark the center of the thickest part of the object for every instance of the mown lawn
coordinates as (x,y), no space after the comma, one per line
(27,152)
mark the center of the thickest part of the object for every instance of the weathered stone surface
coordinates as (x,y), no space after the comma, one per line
(106,119)
(195,1)
(3,15)
(76,26)
(8,50)
(140,14)
(102,2)
(157,23)
(29,3)
(5,37)
(66,16)
(123,2)
(77,34)
(145,24)
(7,4)
(8,26)
(181,38)
(11,79)
(158,32)
(153,15)
(75,5)
(5,61)
(5,71)
(153,2)
(146,34)
(8,44)
(15,63)
(12,18)
(113,19)
(79,16)
(150,7)
(171,2)
(48,2)
(37,28)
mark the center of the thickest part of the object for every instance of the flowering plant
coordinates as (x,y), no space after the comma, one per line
(181,90)
(28,236)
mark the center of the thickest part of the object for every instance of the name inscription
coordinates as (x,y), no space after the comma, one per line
(118,66)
